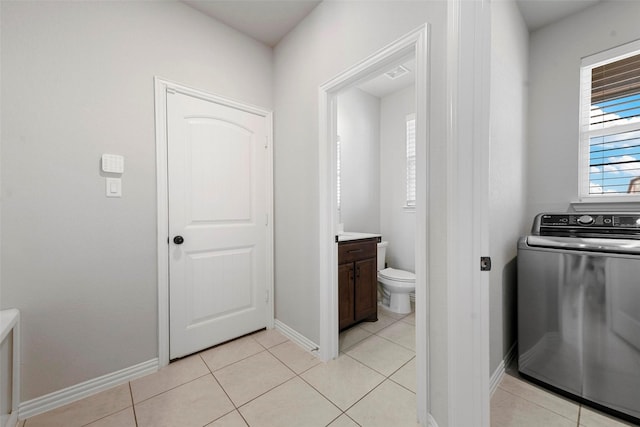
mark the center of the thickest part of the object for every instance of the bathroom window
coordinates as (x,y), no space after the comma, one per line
(411,161)
(338,166)
(610,123)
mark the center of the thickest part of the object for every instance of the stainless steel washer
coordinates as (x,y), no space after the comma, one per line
(579,308)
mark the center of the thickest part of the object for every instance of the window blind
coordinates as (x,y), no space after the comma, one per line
(338,167)
(411,160)
(613,132)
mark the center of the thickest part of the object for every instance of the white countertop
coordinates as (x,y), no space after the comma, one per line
(348,235)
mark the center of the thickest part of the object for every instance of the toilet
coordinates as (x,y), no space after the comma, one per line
(396,284)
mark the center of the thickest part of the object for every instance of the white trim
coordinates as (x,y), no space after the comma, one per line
(80,391)
(12,420)
(161,87)
(610,205)
(431,422)
(609,55)
(162,218)
(511,354)
(296,337)
(416,43)
(10,323)
(328,226)
(467,167)
(496,378)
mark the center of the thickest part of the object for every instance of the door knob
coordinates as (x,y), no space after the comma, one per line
(178,240)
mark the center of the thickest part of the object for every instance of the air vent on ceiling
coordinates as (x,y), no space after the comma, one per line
(398,71)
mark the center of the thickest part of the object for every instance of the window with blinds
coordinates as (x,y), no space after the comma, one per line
(411,160)
(338,167)
(610,123)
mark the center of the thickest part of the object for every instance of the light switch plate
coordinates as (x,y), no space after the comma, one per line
(114,187)
(112,163)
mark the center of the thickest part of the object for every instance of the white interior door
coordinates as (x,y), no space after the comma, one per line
(217,181)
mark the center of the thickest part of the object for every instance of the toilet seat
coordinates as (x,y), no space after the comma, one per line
(401,276)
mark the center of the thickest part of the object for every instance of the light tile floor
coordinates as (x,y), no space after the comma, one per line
(266,380)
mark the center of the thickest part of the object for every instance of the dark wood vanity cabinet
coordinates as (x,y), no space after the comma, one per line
(357,281)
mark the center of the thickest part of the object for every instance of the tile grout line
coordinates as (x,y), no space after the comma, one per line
(232,363)
(261,394)
(331,401)
(133,405)
(211,372)
(537,404)
(299,375)
(235,408)
(385,378)
(375,370)
(346,415)
(383,337)
(579,414)
(172,388)
(342,412)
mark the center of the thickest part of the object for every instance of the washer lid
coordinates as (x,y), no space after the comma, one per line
(397,275)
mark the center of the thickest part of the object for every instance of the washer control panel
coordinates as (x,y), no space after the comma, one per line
(592,224)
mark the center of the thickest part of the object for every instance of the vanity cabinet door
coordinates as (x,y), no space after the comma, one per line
(366,289)
(357,282)
(346,290)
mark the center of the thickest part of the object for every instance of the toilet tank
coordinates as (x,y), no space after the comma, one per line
(382,252)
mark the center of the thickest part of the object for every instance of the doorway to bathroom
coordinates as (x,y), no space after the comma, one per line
(411,51)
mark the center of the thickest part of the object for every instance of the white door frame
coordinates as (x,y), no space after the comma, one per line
(415,42)
(161,87)
(467,177)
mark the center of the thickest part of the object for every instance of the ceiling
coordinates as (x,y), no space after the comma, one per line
(267,21)
(538,13)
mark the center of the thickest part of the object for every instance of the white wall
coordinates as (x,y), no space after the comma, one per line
(359,130)
(555,54)
(334,37)
(507,174)
(397,223)
(77,81)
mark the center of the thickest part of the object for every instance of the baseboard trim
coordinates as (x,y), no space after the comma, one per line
(80,391)
(12,420)
(499,372)
(496,378)
(511,354)
(431,422)
(297,337)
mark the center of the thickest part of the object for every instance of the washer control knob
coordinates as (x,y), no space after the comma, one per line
(585,220)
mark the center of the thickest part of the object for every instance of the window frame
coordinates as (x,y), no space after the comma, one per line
(585,134)
(410,204)
(339,172)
